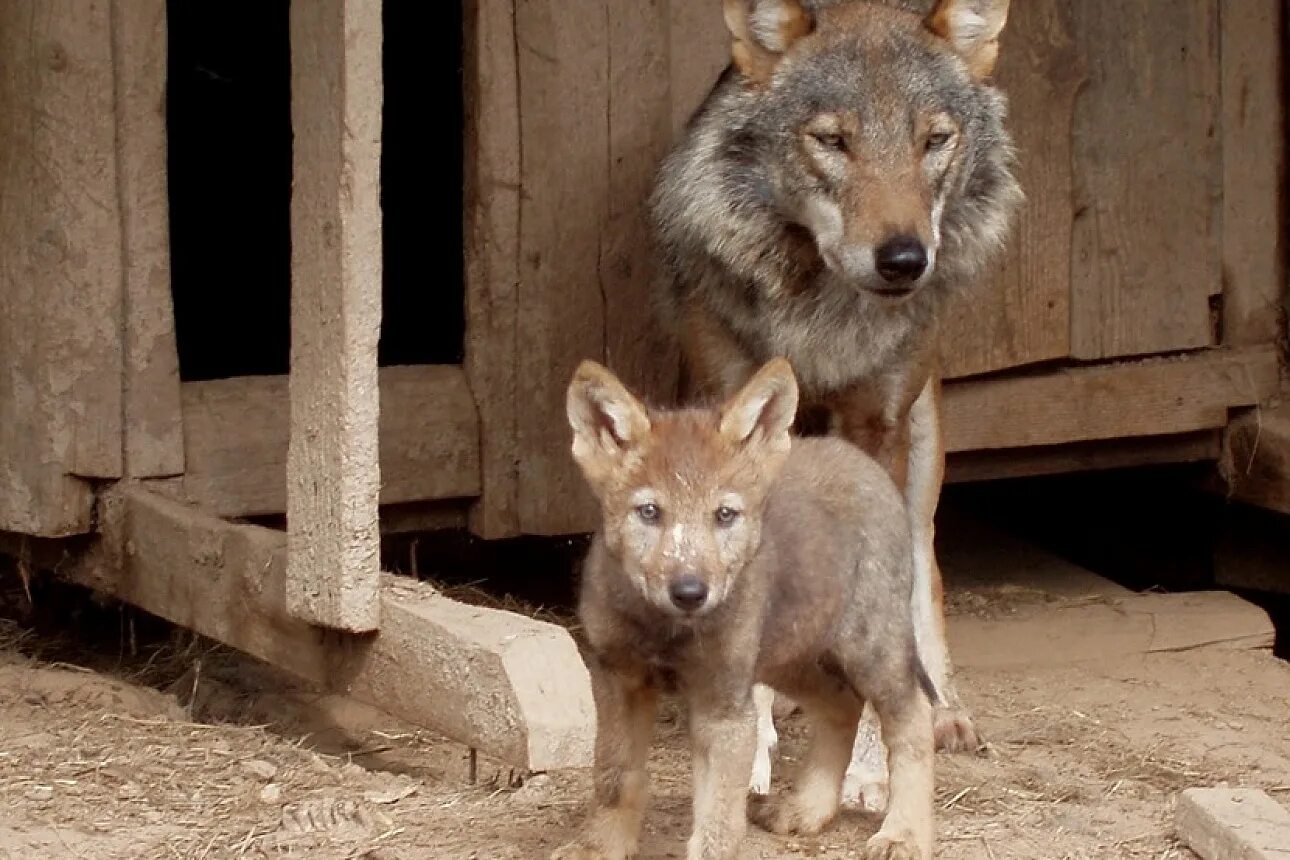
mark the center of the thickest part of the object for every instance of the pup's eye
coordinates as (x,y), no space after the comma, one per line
(649,512)
(725,515)
(938,140)
(830,140)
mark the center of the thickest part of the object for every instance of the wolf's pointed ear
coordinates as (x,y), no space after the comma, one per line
(763,410)
(762,31)
(973,28)
(607,421)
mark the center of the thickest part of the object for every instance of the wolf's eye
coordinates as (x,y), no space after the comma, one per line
(649,512)
(725,515)
(830,140)
(938,140)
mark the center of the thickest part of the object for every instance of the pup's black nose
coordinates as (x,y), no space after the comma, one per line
(688,591)
(901,259)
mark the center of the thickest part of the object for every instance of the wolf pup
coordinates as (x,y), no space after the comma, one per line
(729,554)
(846,176)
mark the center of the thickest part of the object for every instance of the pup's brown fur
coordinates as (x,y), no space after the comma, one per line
(731,554)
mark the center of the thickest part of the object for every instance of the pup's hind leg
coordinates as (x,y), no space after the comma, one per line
(625,708)
(908,830)
(817,793)
(767,738)
(954,729)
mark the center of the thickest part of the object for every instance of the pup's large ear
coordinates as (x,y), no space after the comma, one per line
(762,412)
(973,28)
(762,31)
(608,422)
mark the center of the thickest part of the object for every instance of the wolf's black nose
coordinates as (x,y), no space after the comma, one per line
(901,259)
(688,591)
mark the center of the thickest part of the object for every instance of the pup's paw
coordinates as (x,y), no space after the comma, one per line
(955,732)
(892,846)
(788,816)
(582,851)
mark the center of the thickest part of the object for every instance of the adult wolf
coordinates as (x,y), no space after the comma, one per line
(846,176)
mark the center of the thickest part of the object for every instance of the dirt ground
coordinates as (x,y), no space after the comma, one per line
(215,757)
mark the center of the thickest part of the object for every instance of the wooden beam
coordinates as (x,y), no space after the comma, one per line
(699,51)
(1253,160)
(1146,244)
(492,203)
(153,425)
(1144,398)
(60,265)
(333,469)
(511,686)
(1097,455)
(1257,458)
(236,434)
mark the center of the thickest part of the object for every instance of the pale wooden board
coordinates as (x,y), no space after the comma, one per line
(1109,629)
(60,265)
(236,433)
(154,441)
(1095,455)
(511,686)
(333,470)
(1021,313)
(1253,123)
(492,189)
(1233,824)
(1257,459)
(563,51)
(1146,254)
(1141,398)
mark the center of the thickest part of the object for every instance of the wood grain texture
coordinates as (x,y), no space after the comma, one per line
(154,442)
(1021,314)
(1257,458)
(511,686)
(236,432)
(1143,398)
(699,52)
(60,265)
(333,471)
(563,50)
(1253,163)
(492,186)
(1147,174)
(1090,456)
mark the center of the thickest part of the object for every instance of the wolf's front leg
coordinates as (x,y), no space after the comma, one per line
(767,739)
(723,737)
(625,708)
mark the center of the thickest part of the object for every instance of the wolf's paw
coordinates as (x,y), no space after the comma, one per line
(892,846)
(759,785)
(955,732)
(865,785)
(788,815)
(864,795)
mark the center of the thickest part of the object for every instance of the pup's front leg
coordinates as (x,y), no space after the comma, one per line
(908,830)
(625,708)
(723,738)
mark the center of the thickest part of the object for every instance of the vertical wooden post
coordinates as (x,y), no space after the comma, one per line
(153,423)
(332,464)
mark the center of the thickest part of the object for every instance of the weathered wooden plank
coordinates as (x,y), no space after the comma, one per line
(1109,630)
(1096,455)
(699,52)
(236,433)
(1021,315)
(563,50)
(154,442)
(1144,398)
(492,199)
(1233,824)
(640,133)
(332,461)
(1253,122)
(514,687)
(60,265)
(1147,176)
(1257,458)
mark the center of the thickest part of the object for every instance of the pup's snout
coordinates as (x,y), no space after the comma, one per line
(901,260)
(687,591)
